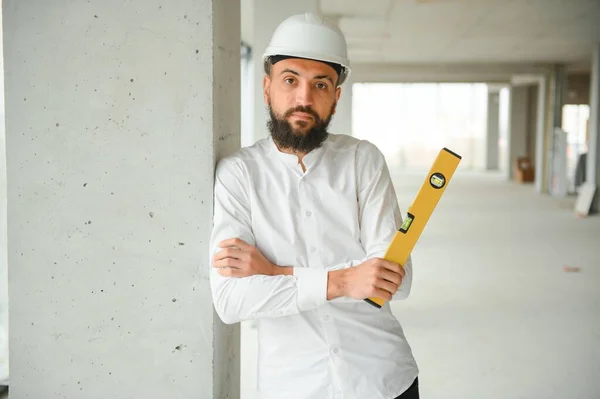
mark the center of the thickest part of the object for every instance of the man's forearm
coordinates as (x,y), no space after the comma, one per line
(268,295)
(336,284)
(292,290)
(282,271)
(335,280)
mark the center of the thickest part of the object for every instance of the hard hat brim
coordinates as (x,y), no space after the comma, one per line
(343,63)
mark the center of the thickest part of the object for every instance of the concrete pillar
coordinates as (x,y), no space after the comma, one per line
(115,116)
(342,120)
(247,96)
(532,121)
(555,155)
(268,14)
(540,182)
(493,129)
(517,125)
(593,157)
(559,92)
(3,263)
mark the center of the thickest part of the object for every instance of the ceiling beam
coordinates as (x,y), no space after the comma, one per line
(396,73)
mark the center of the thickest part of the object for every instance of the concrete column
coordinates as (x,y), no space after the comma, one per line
(115,116)
(268,14)
(556,152)
(247,97)
(593,157)
(493,129)
(541,185)
(342,120)
(559,91)
(517,125)
(532,121)
(3,263)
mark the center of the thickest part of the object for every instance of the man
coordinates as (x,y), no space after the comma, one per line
(301,222)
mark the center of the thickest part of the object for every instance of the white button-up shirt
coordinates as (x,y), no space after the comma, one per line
(340,212)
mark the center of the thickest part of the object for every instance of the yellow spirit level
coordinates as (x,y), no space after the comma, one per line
(421,209)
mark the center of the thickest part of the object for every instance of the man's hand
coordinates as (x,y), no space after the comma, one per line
(240,259)
(375,277)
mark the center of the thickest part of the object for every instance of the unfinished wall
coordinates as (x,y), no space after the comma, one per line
(3,264)
(116,112)
(578,88)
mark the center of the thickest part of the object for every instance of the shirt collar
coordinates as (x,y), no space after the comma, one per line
(291,160)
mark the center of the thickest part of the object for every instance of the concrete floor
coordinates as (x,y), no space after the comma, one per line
(492,313)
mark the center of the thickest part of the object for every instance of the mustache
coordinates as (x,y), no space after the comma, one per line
(301,108)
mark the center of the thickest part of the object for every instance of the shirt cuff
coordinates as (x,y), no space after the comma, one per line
(312,287)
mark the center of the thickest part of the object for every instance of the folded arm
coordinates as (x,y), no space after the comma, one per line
(267,290)
(280,290)
(379,213)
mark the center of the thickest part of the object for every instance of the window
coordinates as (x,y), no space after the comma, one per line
(410,123)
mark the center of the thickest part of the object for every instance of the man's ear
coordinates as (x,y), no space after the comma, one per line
(266,88)
(338,92)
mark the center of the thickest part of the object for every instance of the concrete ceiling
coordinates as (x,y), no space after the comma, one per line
(467,31)
(458,40)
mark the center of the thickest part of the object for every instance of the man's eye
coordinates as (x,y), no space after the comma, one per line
(321,86)
(289,80)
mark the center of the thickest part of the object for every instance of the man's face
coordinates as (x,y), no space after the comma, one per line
(301,95)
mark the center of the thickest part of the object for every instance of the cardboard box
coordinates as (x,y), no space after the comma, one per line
(524,172)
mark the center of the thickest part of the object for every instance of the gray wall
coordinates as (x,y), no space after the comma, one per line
(578,88)
(518,125)
(3,264)
(532,121)
(116,113)
(492,130)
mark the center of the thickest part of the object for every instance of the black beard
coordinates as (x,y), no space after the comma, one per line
(287,137)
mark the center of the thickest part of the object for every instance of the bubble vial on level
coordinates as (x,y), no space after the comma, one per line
(437,180)
(407,222)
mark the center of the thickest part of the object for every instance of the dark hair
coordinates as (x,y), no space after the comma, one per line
(272,60)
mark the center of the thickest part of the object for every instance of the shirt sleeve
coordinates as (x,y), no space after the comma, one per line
(379,213)
(236,299)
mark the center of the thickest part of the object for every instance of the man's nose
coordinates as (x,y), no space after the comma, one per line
(304,95)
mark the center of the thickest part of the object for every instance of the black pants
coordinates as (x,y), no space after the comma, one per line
(412,392)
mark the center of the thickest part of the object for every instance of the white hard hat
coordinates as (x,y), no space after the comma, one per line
(310,36)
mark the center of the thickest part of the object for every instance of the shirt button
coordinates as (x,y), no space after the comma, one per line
(308,213)
(325,317)
(336,350)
